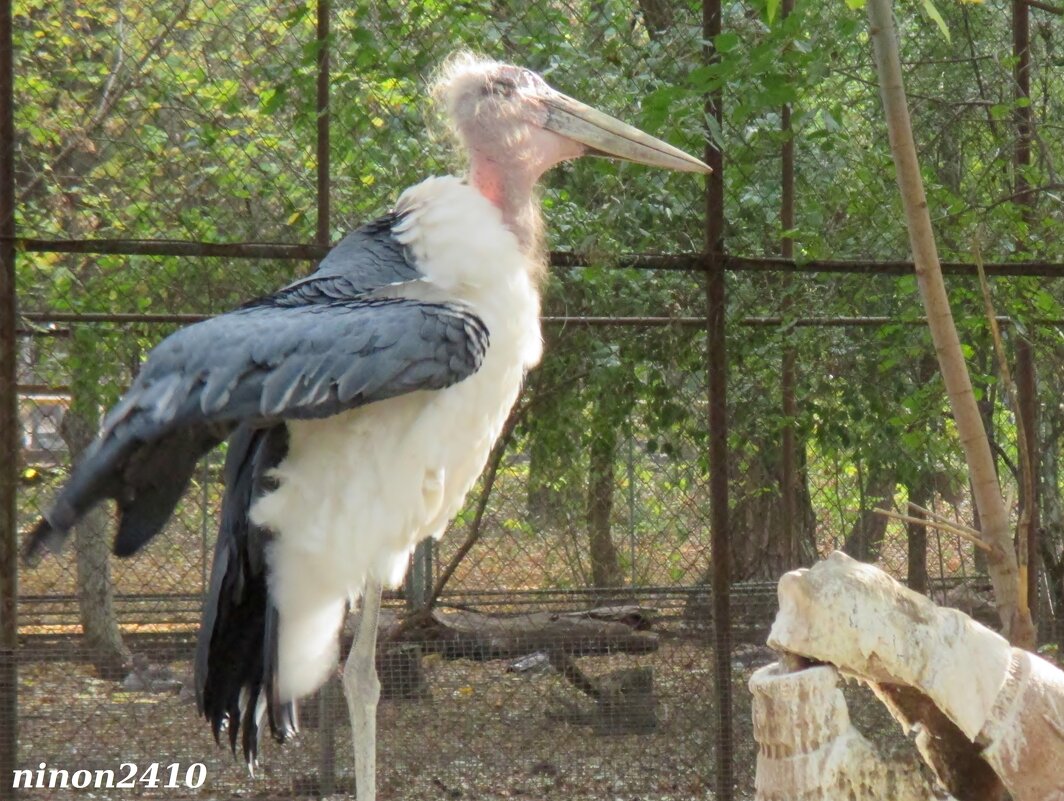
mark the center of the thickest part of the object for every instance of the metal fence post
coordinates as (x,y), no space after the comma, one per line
(323,168)
(790,551)
(1026,388)
(718,420)
(8,416)
(330,696)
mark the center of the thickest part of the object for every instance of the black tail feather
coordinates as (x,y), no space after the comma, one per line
(283,717)
(236,652)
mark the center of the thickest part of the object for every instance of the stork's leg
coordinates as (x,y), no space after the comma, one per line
(362,689)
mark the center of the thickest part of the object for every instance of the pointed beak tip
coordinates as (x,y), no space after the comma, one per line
(691,164)
(603,135)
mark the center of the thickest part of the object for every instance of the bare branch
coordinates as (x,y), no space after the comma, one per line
(986,491)
(113,91)
(975,68)
(936,516)
(976,540)
(1052,9)
(476,527)
(1026,469)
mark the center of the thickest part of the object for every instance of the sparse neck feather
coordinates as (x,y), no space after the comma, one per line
(511,188)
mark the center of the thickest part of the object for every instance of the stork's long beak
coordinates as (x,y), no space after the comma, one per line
(605,136)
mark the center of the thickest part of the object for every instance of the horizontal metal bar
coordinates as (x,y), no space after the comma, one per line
(681,262)
(175,247)
(753,587)
(124,318)
(310,251)
(761,322)
(687,589)
(862,322)
(684,262)
(1019,268)
(42,332)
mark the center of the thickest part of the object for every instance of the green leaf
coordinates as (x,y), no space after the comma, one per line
(726,42)
(771,8)
(714,129)
(931,11)
(272,99)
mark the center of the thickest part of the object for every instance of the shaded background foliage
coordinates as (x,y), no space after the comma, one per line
(195,120)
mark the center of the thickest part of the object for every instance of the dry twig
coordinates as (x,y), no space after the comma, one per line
(964,532)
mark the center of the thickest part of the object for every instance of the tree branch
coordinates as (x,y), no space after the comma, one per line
(965,532)
(1058,10)
(975,68)
(109,97)
(1002,562)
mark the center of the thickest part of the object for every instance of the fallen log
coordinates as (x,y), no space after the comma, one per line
(624,700)
(462,634)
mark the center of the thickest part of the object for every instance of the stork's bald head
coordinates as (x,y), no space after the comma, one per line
(499,113)
(511,115)
(515,127)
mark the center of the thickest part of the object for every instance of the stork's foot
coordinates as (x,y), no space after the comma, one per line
(362,689)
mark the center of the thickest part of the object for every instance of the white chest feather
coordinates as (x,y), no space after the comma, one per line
(357,491)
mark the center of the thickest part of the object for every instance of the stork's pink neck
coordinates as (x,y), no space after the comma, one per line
(509,188)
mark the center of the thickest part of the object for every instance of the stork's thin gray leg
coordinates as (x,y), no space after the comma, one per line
(363,689)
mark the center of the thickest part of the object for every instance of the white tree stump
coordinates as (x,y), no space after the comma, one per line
(808,749)
(987,715)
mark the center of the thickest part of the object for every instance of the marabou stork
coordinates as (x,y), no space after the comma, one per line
(360,404)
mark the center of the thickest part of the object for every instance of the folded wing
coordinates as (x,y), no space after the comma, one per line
(261,364)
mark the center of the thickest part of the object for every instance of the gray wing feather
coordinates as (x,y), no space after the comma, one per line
(365,260)
(257,365)
(310,361)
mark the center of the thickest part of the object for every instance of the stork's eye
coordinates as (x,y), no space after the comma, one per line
(502,87)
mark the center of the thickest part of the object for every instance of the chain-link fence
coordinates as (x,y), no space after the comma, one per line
(173,159)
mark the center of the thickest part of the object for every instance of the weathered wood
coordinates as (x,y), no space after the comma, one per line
(473,635)
(809,749)
(624,701)
(988,715)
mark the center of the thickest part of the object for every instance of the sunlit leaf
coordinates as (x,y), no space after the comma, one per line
(933,13)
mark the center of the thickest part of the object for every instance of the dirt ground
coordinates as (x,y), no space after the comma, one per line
(483,733)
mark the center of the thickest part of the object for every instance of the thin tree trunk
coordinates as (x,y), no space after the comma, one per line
(1027,402)
(605,567)
(1004,571)
(916,536)
(1052,518)
(789,360)
(103,640)
(549,497)
(1027,411)
(865,539)
(920,491)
